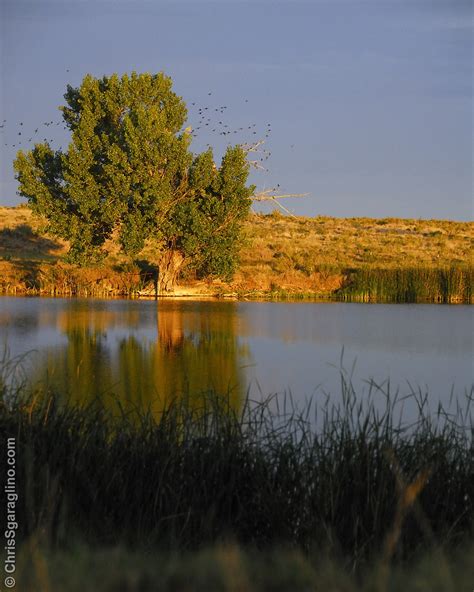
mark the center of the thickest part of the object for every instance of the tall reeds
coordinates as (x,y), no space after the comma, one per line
(447,285)
(262,476)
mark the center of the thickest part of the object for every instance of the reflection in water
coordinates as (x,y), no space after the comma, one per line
(144,351)
(103,359)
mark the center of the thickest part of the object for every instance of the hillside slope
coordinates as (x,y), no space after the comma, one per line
(321,256)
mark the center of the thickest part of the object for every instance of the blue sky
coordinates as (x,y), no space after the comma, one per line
(370,103)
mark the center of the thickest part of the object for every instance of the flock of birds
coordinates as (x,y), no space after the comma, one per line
(203,121)
(209,120)
(21,135)
(212,120)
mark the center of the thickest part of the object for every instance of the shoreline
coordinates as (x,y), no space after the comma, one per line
(282,258)
(410,285)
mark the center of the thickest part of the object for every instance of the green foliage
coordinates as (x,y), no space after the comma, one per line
(129,174)
(221,204)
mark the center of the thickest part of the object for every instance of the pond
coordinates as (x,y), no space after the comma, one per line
(144,352)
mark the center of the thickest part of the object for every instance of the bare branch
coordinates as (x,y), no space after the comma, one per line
(253,147)
(268,195)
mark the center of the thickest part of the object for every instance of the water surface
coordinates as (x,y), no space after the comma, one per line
(143,351)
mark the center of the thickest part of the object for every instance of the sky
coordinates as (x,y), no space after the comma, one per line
(367,105)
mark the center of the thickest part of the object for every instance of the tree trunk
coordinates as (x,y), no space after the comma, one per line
(169,267)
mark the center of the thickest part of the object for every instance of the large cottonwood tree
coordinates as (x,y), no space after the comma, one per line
(129,175)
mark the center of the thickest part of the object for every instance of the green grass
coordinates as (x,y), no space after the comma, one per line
(451,284)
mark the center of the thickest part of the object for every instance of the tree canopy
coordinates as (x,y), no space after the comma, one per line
(129,175)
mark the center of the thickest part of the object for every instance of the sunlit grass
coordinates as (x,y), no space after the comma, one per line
(451,284)
(361,258)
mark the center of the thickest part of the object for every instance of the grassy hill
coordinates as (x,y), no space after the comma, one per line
(360,258)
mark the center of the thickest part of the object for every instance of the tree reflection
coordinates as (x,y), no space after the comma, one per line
(112,357)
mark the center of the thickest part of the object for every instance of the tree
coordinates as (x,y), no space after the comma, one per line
(129,175)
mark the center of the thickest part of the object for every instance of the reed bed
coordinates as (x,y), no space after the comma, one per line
(421,284)
(445,285)
(353,480)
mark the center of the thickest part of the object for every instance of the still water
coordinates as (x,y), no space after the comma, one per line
(145,351)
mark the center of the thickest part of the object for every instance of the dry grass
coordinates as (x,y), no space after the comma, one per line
(296,255)
(316,253)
